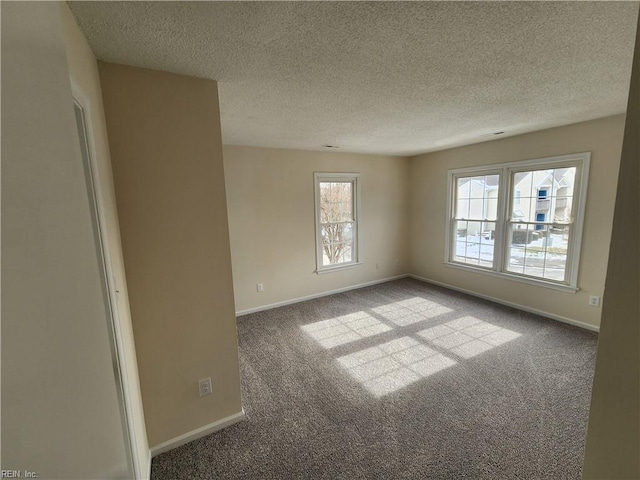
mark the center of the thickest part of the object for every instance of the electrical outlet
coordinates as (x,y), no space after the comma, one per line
(594,300)
(260,287)
(204,386)
(397,262)
(377,266)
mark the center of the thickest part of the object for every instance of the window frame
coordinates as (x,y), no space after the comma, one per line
(506,204)
(353,178)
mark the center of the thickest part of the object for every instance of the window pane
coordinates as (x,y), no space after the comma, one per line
(460,241)
(336,201)
(564,181)
(476,208)
(474,243)
(477,197)
(556,246)
(489,230)
(462,210)
(539,253)
(325,199)
(491,209)
(543,195)
(473,231)
(337,232)
(337,243)
(337,253)
(516,259)
(534,261)
(331,233)
(347,252)
(462,187)
(562,209)
(520,236)
(487,238)
(347,232)
(332,253)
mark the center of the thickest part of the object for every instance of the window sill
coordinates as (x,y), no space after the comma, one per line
(516,278)
(323,270)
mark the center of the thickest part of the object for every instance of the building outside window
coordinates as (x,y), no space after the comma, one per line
(521,220)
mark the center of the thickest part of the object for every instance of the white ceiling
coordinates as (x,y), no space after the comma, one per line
(396,78)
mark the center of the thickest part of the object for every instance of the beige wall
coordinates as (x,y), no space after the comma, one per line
(613,437)
(60,412)
(270,196)
(83,71)
(164,137)
(603,138)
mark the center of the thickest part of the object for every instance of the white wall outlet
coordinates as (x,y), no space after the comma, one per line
(594,300)
(204,386)
(397,262)
(260,287)
(377,266)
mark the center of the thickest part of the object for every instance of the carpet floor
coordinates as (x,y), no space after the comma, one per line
(401,380)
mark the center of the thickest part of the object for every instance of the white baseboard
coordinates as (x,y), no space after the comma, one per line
(553,316)
(525,308)
(317,295)
(195,434)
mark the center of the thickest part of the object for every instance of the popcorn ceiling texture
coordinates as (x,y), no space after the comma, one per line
(395,78)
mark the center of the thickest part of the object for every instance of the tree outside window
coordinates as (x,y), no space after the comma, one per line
(336,217)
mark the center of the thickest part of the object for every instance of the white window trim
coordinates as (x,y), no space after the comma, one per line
(327,177)
(580,160)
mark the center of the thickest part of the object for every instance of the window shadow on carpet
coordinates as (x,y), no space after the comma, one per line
(414,353)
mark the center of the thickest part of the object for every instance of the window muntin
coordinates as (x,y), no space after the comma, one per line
(538,242)
(336,220)
(476,206)
(532,230)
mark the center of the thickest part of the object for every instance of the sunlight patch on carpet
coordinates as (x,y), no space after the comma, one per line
(344,329)
(468,336)
(390,366)
(410,311)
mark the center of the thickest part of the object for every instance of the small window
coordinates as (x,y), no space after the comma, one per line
(521,219)
(336,220)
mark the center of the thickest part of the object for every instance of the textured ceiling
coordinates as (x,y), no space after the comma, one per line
(381,77)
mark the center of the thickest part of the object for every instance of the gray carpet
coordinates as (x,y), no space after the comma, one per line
(401,380)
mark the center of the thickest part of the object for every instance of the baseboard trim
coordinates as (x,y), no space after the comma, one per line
(543,313)
(195,434)
(553,316)
(317,295)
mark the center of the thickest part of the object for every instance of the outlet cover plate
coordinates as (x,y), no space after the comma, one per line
(204,386)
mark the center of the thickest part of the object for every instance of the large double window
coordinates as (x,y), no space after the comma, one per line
(336,220)
(522,219)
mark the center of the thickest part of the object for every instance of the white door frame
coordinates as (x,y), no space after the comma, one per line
(120,361)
